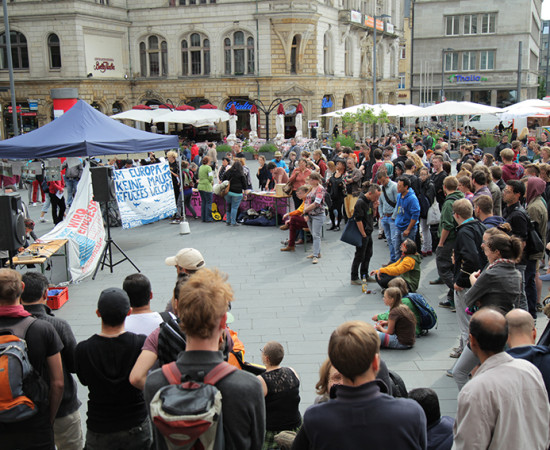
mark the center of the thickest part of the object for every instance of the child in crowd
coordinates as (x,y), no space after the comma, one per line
(398,331)
(400,283)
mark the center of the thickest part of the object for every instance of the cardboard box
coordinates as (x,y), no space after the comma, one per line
(57,297)
(279,189)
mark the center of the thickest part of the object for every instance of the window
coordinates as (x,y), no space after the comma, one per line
(294,55)
(195,55)
(469,60)
(54,49)
(347,57)
(452,25)
(403,52)
(153,57)
(19,51)
(470,24)
(327,54)
(451,61)
(487,60)
(401,81)
(239,58)
(488,23)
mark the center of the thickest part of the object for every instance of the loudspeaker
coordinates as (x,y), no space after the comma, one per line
(12,222)
(103,183)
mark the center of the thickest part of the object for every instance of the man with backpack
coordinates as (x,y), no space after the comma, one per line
(27,423)
(202,307)
(117,417)
(67,426)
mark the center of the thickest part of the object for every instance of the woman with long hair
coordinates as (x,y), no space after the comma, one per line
(336,188)
(237,184)
(314,210)
(298,179)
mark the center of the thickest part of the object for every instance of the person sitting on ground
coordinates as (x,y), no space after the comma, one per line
(281,387)
(296,222)
(440,428)
(278,174)
(141,320)
(402,285)
(408,267)
(328,377)
(398,331)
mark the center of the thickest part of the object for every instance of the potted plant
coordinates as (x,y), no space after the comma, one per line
(268,150)
(487,142)
(222,150)
(249,152)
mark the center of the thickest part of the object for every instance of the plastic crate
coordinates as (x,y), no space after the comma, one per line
(57,297)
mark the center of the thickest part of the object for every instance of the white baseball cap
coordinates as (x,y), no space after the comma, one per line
(187,258)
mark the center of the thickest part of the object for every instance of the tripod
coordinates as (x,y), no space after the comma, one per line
(108,251)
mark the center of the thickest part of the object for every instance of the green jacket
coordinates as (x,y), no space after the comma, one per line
(447,220)
(406,301)
(412,277)
(205,179)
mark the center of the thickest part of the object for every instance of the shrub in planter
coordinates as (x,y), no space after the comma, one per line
(345,141)
(224,148)
(487,140)
(248,149)
(268,148)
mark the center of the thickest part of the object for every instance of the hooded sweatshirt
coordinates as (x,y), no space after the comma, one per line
(104,365)
(512,171)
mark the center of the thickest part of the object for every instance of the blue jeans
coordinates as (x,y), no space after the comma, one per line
(399,238)
(389,230)
(70,186)
(206,206)
(315,224)
(232,202)
(391,341)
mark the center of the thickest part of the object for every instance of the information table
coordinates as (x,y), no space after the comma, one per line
(41,253)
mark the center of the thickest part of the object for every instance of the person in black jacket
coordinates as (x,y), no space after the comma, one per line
(363,215)
(336,189)
(426,197)
(501,146)
(468,258)
(237,184)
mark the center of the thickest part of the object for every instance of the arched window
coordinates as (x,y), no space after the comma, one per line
(54,49)
(195,55)
(19,51)
(238,54)
(348,66)
(294,55)
(153,57)
(327,54)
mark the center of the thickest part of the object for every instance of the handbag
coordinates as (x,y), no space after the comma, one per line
(225,191)
(434,214)
(351,234)
(534,243)
(287,188)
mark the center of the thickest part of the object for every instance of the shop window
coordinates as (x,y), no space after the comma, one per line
(451,61)
(488,23)
(469,61)
(452,25)
(239,57)
(153,57)
(195,55)
(470,24)
(54,50)
(487,60)
(19,50)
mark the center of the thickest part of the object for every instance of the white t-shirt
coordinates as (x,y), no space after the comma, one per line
(143,323)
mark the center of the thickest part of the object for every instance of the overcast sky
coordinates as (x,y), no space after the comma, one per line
(546,10)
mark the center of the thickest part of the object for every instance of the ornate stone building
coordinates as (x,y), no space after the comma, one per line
(120,53)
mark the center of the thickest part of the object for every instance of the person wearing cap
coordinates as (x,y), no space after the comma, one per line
(187,260)
(279,162)
(478,156)
(117,416)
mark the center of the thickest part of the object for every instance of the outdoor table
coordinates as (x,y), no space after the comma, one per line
(41,253)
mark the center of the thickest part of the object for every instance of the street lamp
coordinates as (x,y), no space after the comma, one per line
(443,51)
(382,16)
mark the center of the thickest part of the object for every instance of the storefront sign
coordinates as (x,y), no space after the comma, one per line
(313,123)
(369,23)
(33,105)
(467,79)
(104,55)
(390,28)
(355,17)
(327,102)
(104,64)
(239,106)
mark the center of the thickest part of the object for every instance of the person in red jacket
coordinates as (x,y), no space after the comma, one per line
(55,191)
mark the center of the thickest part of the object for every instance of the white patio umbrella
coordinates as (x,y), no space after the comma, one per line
(526,111)
(141,115)
(452,108)
(280,123)
(253,135)
(197,118)
(533,102)
(298,121)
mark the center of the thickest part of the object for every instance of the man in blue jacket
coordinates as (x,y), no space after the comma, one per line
(407,212)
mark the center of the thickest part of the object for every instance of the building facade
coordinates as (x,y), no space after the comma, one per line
(119,54)
(470,50)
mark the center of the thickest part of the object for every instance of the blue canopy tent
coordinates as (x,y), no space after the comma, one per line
(83,131)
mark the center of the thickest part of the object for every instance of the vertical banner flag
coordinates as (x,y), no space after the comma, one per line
(83,227)
(144,194)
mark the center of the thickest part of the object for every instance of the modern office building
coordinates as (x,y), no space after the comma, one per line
(475,51)
(120,53)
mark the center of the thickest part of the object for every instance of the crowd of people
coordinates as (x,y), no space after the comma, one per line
(487,226)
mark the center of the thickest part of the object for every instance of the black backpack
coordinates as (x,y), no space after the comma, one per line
(171,341)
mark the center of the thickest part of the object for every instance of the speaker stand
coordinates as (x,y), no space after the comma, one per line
(108,251)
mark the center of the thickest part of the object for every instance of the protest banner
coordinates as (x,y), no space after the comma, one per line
(144,194)
(83,227)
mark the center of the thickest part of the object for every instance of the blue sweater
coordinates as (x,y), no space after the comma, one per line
(407,208)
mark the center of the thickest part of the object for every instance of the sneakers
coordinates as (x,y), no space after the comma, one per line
(43,220)
(299,242)
(449,373)
(314,260)
(356,282)
(428,253)
(446,304)
(336,229)
(288,249)
(284,227)
(437,281)
(313,256)
(175,222)
(455,353)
